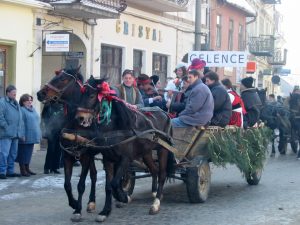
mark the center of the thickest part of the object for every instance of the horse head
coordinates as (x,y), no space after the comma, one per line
(99,103)
(294,103)
(262,93)
(62,87)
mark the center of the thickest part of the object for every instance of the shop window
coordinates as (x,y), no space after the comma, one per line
(137,62)
(159,67)
(111,63)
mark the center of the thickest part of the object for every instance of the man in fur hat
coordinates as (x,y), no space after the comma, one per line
(252,102)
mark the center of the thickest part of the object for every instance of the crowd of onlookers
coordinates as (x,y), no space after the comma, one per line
(195,97)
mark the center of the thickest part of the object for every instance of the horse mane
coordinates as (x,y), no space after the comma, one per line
(262,93)
(76,73)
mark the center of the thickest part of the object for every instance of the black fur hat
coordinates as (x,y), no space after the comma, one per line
(247,82)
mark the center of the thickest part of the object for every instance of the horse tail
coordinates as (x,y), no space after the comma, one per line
(170,165)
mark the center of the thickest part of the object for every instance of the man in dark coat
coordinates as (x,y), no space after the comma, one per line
(222,103)
(251,101)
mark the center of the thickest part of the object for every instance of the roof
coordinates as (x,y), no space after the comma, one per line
(244,6)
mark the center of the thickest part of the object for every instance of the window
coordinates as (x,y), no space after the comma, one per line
(137,62)
(159,67)
(219,31)
(2,70)
(230,35)
(241,38)
(111,63)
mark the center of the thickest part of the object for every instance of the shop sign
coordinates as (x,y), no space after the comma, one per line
(139,31)
(57,42)
(75,55)
(220,58)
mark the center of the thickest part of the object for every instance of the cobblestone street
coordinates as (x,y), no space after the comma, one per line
(41,199)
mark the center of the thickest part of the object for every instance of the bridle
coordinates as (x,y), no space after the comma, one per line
(60,92)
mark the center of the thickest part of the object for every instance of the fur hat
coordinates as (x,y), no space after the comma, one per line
(197,64)
(247,82)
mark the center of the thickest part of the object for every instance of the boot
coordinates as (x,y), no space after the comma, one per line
(23,171)
(28,170)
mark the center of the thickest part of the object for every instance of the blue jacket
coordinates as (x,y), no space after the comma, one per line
(11,122)
(31,121)
(199,105)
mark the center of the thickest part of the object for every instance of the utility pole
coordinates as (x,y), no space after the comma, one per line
(198,25)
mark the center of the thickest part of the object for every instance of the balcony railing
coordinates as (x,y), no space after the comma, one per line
(88,9)
(271,1)
(262,45)
(160,5)
(278,58)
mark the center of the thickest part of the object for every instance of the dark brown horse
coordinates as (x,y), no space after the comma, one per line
(123,134)
(65,88)
(294,104)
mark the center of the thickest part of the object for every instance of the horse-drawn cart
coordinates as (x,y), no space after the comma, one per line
(194,148)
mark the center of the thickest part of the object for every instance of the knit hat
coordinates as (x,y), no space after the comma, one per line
(247,82)
(197,64)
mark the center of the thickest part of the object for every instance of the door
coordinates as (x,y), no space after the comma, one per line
(3,53)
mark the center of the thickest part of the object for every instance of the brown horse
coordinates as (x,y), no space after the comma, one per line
(123,134)
(65,88)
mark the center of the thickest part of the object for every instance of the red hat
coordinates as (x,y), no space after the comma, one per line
(197,64)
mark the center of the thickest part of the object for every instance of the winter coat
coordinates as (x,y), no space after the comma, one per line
(11,123)
(200,105)
(31,121)
(252,105)
(178,106)
(222,105)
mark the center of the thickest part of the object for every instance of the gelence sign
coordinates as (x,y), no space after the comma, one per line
(220,58)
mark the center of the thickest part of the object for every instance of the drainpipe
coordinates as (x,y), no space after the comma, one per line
(198,25)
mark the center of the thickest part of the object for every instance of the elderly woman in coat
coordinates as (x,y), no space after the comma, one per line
(31,121)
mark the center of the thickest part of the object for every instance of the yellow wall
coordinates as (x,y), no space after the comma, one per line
(16,24)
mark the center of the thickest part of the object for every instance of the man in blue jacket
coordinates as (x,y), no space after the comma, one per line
(11,129)
(199,106)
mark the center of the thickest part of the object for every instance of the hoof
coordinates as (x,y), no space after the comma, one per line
(120,204)
(101,218)
(154,194)
(155,207)
(91,207)
(76,217)
(153,211)
(129,199)
(272,154)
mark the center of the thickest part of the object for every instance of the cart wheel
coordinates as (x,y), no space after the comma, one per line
(128,182)
(254,178)
(198,182)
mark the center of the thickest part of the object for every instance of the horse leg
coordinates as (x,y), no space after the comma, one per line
(273,144)
(148,160)
(92,198)
(163,160)
(281,145)
(109,171)
(68,169)
(85,163)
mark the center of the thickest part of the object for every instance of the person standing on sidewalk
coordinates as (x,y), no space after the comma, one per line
(31,121)
(11,129)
